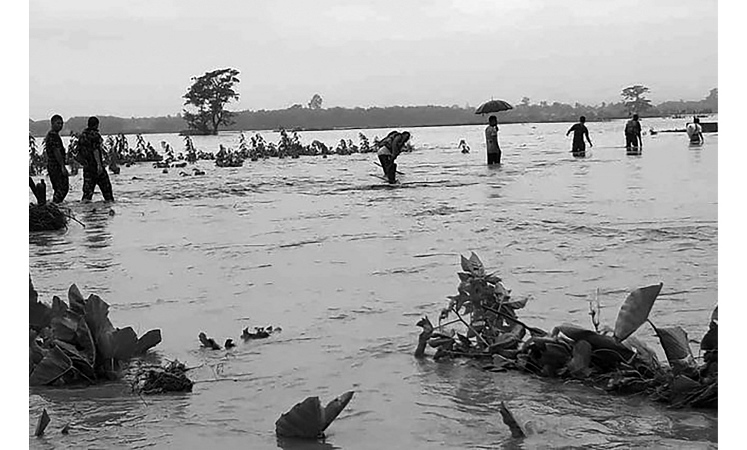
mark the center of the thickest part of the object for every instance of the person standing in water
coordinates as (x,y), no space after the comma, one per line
(491,140)
(463,146)
(579,131)
(389,148)
(633,139)
(90,147)
(56,168)
(695,131)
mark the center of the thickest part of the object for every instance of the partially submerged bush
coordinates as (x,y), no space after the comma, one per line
(76,343)
(618,362)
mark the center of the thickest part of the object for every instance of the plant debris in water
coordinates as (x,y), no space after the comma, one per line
(172,377)
(308,420)
(76,343)
(619,363)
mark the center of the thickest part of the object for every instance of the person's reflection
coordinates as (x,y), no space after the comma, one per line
(96,236)
(695,150)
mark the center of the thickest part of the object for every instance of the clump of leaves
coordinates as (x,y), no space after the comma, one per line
(485,298)
(486,308)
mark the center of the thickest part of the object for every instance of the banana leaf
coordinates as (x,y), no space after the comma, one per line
(124,343)
(96,315)
(335,407)
(39,315)
(578,366)
(305,420)
(42,423)
(85,341)
(681,388)
(77,303)
(675,344)
(714,315)
(517,430)
(147,341)
(78,359)
(33,295)
(635,310)
(54,365)
(59,307)
(643,352)
(64,327)
(710,340)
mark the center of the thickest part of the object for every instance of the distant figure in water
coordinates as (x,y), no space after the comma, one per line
(633,141)
(695,131)
(491,141)
(90,147)
(389,148)
(579,131)
(463,146)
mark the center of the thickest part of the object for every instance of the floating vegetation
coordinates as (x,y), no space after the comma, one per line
(73,343)
(44,216)
(308,419)
(151,379)
(493,333)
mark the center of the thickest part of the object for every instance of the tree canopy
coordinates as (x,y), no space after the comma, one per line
(208,96)
(315,102)
(634,100)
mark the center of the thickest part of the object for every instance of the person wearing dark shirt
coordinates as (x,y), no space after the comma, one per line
(90,148)
(389,148)
(579,131)
(56,168)
(633,139)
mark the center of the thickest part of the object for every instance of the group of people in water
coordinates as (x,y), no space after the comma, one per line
(89,154)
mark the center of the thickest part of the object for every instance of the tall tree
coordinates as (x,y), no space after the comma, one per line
(209,95)
(634,100)
(315,102)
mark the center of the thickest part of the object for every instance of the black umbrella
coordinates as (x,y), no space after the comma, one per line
(493,106)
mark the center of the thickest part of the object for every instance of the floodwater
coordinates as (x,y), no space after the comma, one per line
(346,266)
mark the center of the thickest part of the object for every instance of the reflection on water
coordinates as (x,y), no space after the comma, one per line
(95,218)
(341,262)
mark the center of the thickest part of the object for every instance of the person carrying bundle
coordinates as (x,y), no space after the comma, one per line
(389,148)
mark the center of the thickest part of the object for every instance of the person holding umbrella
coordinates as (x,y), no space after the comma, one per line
(491,132)
(491,140)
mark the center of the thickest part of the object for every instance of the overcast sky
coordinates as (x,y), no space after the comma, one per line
(136,58)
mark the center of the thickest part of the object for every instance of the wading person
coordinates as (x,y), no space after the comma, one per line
(633,141)
(491,140)
(389,148)
(90,148)
(579,131)
(695,131)
(463,146)
(56,168)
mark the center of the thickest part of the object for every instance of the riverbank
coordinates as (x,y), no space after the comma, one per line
(334,119)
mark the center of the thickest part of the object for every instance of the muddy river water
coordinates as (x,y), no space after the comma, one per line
(346,266)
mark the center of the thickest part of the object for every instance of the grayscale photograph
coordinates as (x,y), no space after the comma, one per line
(437,224)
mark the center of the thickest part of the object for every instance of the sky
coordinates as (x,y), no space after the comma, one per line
(136,58)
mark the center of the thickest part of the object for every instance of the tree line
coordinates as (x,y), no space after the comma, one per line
(207,98)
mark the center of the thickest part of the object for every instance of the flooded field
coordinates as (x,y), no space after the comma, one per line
(347,265)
